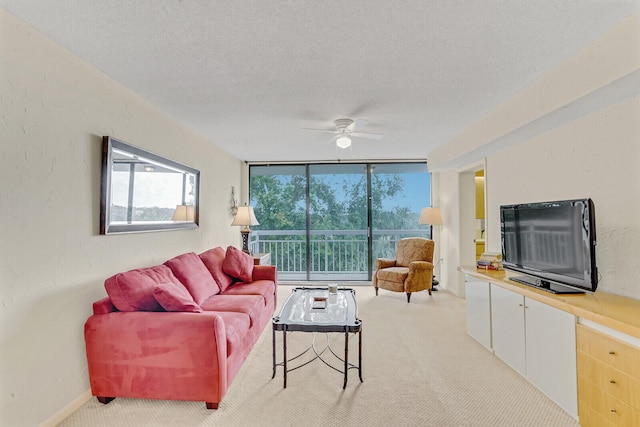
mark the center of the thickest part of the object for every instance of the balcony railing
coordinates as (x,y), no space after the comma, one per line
(332,254)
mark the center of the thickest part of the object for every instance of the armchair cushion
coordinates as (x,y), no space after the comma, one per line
(173,297)
(414,249)
(394,274)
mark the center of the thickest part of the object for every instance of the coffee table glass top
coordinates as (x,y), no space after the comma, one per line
(298,312)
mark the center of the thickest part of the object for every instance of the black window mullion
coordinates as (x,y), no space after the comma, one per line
(308,222)
(369,225)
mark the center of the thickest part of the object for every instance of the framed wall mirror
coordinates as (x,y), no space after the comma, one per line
(142,191)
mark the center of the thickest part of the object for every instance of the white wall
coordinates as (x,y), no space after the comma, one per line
(446,198)
(54,109)
(597,156)
(573,133)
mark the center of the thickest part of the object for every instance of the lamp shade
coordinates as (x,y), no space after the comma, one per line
(430,216)
(245,217)
(184,213)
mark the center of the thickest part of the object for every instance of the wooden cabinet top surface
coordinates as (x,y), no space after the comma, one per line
(614,311)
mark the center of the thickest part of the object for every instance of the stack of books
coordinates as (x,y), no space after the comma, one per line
(490,261)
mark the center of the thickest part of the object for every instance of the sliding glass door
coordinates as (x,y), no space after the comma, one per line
(338,222)
(399,191)
(325,222)
(279,197)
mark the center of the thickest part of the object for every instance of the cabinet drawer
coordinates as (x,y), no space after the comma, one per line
(590,418)
(607,406)
(609,379)
(609,350)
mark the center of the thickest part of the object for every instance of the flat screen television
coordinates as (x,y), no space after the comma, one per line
(552,243)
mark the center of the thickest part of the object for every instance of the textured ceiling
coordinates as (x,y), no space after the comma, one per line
(248,75)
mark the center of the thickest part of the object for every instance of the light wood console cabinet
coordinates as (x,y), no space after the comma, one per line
(583,351)
(608,380)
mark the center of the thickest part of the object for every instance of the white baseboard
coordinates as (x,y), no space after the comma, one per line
(68,410)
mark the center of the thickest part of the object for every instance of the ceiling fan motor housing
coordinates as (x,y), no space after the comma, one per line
(343,124)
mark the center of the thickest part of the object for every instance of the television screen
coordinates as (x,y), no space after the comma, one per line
(553,243)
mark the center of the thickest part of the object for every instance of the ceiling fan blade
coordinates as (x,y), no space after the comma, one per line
(320,130)
(359,123)
(366,135)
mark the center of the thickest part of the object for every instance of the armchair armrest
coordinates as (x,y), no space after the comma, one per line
(420,276)
(385,263)
(421,265)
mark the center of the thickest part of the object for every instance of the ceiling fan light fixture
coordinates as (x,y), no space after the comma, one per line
(343,141)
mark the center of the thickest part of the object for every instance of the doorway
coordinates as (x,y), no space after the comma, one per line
(480,214)
(473,216)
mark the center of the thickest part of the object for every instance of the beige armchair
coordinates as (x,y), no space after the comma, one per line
(411,271)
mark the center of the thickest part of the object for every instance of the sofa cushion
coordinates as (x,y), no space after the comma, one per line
(238,264)
(133,290)
(253,305)
(193,274)
(174,297)
(264,288)
(213,259)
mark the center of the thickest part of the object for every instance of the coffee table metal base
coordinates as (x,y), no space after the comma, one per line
(318,354)
(318,311)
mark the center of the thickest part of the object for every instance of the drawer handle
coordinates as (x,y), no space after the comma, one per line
(613,353)
(612,381)
(613,411)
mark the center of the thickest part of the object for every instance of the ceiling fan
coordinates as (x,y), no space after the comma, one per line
(345,130)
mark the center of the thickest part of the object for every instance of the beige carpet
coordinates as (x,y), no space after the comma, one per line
(420,368)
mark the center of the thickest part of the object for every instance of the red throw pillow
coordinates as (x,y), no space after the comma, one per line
(238,264)
(213,259)
(174,297)
(195,277)
(133,290)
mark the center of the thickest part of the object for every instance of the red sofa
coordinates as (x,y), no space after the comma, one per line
(180,330)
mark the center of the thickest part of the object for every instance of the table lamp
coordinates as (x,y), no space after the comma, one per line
(432,217)
(184,213)
(245,218)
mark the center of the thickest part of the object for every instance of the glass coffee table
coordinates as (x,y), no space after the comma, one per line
(316,310)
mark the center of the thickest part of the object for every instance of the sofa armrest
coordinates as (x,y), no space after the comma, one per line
(103,306)
(265,272)
(179,354)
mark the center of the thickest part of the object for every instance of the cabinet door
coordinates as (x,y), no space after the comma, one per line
(551,353)
(507,327)
(478,310)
